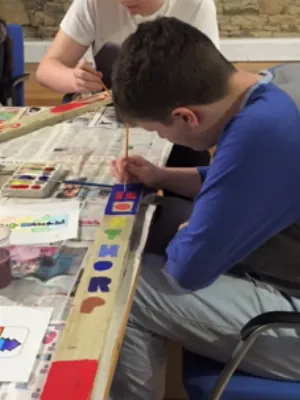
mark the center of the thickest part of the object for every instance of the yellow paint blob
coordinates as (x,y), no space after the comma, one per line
(19,183)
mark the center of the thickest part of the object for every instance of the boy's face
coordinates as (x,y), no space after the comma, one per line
(142,7)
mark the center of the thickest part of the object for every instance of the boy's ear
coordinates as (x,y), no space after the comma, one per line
(186,115)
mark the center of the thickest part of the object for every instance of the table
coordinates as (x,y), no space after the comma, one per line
(83,146)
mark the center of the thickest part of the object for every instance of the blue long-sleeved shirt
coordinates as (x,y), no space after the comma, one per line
(251,190)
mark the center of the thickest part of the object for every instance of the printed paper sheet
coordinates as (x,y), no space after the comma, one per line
(37,223)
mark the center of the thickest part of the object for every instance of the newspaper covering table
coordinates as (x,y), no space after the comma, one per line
(48,275)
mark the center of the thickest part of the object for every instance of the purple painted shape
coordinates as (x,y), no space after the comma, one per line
(43,178)
(10,344)
(26,177)
(99,283)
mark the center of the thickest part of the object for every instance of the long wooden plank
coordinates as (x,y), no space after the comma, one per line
(74,368)
(52,116)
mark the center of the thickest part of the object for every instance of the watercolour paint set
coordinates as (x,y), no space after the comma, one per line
(33,180)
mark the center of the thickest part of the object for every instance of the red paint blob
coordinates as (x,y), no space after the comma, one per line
(65,107)
(119,195)
(130,196)
(122,206)
(70,380)
(49,169)
(19,187)
(35,187)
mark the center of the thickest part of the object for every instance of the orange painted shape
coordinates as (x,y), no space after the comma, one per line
(89,304)
(122,206)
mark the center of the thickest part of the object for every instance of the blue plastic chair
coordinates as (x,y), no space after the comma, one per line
(205,379)
(15,33)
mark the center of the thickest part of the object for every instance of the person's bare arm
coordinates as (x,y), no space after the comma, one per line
(62,71)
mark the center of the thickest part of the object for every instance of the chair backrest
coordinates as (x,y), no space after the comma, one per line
(6,62)
(15,32)
(287,78)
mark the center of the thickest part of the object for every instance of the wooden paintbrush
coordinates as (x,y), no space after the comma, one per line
(126,150)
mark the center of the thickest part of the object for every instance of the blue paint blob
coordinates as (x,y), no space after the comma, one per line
(26,177)
(43,178)
(109,251)
(102,265)
(99,283)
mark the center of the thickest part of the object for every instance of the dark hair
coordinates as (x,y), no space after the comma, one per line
(166,64)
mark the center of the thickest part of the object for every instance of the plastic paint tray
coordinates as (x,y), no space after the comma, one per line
(33,180)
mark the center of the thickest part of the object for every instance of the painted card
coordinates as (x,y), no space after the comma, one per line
(22,330)
(40,223)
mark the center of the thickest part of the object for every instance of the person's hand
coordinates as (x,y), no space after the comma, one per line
(136,170)
(183,225)
(86,78)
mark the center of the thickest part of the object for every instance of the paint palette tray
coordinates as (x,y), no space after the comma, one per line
(33,180)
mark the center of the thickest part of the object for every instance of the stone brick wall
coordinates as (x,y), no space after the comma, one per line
(259,18)
(237,18)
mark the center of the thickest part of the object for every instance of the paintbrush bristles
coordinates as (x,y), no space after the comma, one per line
(104,86)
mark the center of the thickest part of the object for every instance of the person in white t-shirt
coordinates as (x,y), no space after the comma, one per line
(104,25)
(98,22)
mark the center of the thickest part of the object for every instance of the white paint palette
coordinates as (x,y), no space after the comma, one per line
(34,180)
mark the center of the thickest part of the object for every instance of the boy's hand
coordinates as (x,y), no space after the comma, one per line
(136,170)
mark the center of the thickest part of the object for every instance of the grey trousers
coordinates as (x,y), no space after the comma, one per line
(206,322)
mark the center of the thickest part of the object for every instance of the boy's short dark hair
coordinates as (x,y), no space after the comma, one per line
(166,64)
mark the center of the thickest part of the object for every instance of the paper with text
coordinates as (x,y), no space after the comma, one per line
(37,223)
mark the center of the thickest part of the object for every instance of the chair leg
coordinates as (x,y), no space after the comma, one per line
(230,368)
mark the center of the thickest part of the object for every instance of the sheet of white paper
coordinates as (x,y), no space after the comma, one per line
(39,223)
(22,330)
